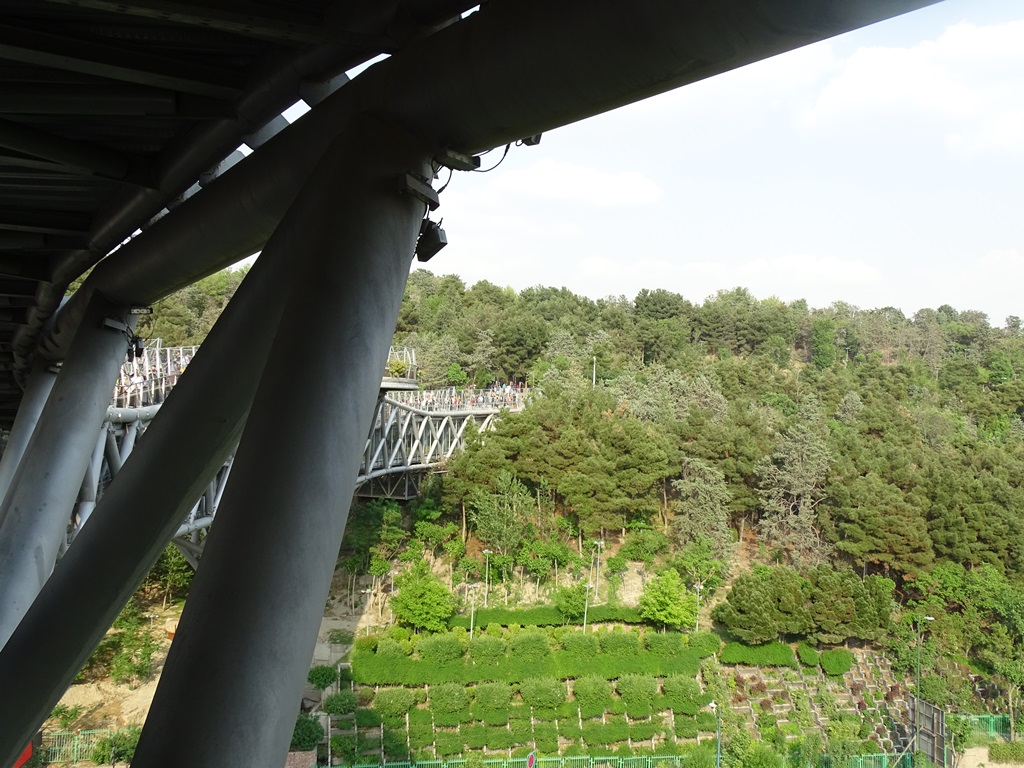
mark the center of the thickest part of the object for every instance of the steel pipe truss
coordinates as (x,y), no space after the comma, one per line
(404,445)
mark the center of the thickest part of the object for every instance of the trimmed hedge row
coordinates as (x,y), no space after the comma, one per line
(836,662)
(375,669)
(547,616)
(768,655)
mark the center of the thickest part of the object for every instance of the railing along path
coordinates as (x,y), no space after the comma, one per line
(413,432)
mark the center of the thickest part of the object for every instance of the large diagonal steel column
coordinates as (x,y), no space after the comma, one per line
(42,494)
(38,390)
(231,686)
(185,446)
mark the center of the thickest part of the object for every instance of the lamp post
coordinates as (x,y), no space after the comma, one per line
(487,575)
(718,734)
(369,605)
(917,682)
(472,611)
(586,605)
(599,545)
(698,587)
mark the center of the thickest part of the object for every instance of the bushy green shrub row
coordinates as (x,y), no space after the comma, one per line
(809,656)
(376,669)
(1013,752)
(683,695)
(836,662)
(547,616)
(768,655)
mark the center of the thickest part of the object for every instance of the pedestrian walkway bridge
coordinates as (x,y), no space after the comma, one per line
(414,432)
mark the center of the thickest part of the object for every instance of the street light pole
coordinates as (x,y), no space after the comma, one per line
(586,604)
(472,611)
(698,587)
(718,734)
(917,682)
(597,588)
(487,575)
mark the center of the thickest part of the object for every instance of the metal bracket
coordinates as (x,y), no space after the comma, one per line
(421,190)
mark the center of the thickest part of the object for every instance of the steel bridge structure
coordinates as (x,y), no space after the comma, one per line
(413,433)
(143,147)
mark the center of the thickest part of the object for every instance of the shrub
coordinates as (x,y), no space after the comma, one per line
(367,718)
(492,695)
(593,695)
(118,747)
(475,736)
(394,745)
(491,716)
(486,649)
(546,737)
(447,743)
(637,692)
(529,647)
(643,731)
(499,738)
(391,649)
(620,643)
(341,703)
(448,698)
(391,702)
(664,643)
(543,692)
(620,614)
(809,657)
(705,644)
(1012,752)
(836,662)
(440,649)
(576,645)
(686,727)
(522,731)
(683,694)
(768,655)
(322,676)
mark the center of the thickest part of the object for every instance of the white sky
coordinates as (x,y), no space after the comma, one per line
(883,167)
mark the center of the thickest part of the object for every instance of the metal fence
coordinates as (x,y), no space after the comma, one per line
(991,725)
(71,746)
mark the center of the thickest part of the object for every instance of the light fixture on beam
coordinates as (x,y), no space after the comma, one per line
(431,240)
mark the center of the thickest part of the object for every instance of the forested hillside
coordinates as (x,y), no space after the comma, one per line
(856,455)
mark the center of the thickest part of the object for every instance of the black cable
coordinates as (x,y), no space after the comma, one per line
(503,156)
(450,174)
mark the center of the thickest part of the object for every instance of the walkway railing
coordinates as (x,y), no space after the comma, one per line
(71,746)
(991,725)
(459,399)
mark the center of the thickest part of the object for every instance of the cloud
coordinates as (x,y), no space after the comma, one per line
(562,181)
(968,84)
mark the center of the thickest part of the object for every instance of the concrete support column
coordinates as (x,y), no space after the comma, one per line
(39,385)
(232,682)
(43,491)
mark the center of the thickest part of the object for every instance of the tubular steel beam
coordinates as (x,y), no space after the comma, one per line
(185,446)
(282,26)
(42,493)
(46,50)
(619,53)
(39,386)
(98,160)
(262,580)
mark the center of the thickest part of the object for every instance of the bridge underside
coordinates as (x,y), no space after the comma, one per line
(121,119)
